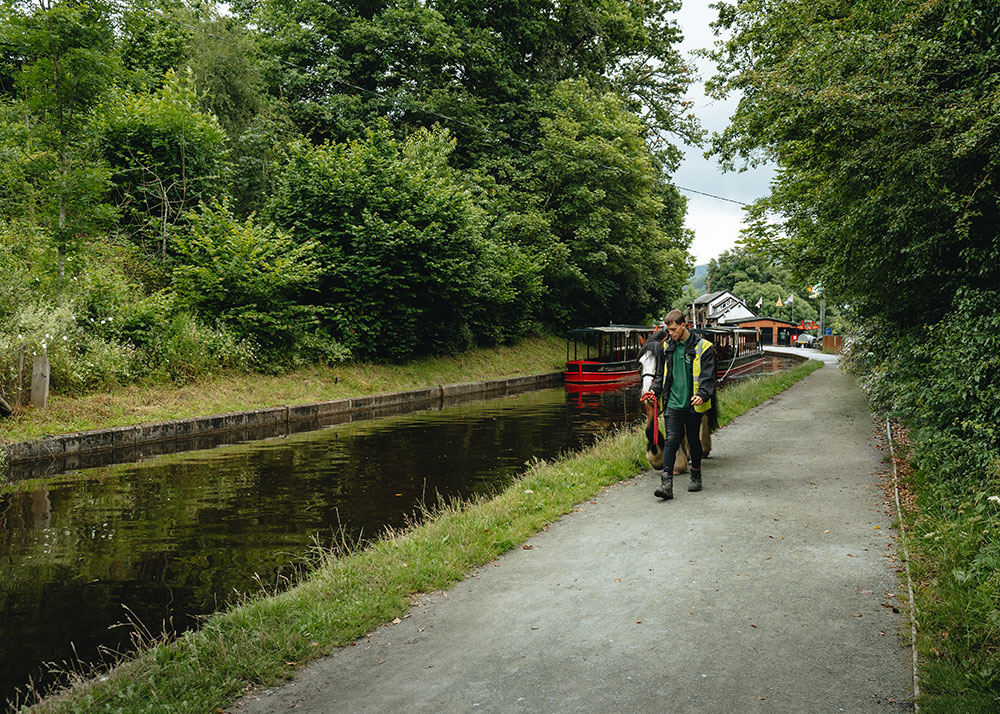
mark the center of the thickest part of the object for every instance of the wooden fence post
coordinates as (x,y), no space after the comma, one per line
(40,382)
(19,397)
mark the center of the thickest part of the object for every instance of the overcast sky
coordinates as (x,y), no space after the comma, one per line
(716,224)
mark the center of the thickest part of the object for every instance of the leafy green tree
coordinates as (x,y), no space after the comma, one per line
(400,239)
(344,64)
(58,62)
(192,38)
(166,154)
(740,265)
(225,62)
(153,38)
(616,249)
(882,119)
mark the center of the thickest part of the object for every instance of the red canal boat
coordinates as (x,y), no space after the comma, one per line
(604,355)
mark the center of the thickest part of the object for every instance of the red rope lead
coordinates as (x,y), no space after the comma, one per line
(656,418)
(656,422)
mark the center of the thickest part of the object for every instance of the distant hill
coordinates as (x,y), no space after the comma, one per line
(697,281)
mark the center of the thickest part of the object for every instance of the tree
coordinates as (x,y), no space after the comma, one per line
(741,265)
(616,249)
(153,38)
(400,240)
(60,60)
(482,63)
(882,119)
(166,154)
(255,279)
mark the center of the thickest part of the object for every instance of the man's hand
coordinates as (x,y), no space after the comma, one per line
(647,396)
(696,400)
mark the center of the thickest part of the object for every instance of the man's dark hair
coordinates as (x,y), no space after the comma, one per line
(676,317)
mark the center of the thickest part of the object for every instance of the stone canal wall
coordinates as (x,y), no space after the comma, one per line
(125,443)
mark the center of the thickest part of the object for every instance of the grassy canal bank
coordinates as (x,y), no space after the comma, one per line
(133,405)
(348,593)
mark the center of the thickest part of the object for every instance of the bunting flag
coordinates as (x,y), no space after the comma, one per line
(815,290)
(778,304)
(789,300)
(760,302)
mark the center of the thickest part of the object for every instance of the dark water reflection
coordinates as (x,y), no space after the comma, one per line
(176,537)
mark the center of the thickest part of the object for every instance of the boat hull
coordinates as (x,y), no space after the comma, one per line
(584,372)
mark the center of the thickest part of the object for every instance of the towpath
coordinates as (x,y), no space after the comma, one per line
(770,591)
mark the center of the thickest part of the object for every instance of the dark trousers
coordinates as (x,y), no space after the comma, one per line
(677,422)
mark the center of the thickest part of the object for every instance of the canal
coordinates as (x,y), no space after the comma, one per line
(88,557)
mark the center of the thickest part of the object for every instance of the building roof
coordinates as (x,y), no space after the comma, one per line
(774,320)
(708,297)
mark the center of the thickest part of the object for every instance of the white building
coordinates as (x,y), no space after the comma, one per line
(718,309)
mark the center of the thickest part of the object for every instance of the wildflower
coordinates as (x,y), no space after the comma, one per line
(995,499)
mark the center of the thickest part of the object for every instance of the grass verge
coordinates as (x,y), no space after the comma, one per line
(229,393)
(265,639)
(954,547)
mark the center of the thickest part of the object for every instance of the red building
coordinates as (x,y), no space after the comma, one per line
(774,331)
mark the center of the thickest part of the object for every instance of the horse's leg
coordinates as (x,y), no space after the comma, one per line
(706,438)
(654,450)
(681,462)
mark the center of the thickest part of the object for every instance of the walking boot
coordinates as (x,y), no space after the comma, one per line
(666,489)
(695,484)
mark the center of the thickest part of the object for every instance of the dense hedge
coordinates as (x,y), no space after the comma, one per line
(942,382)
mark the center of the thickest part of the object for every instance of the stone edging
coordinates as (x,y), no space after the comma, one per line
(123,437)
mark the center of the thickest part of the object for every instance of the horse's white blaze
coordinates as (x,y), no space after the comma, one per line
(647,367)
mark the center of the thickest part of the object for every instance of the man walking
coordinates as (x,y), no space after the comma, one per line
(686,381)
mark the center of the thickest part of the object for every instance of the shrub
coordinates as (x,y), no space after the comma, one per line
(941,381)
(252,279)
(166,155)
(400,240)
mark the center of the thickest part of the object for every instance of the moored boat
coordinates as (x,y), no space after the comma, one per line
(604,355)
(737,350)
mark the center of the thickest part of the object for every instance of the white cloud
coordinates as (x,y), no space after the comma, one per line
(716,223)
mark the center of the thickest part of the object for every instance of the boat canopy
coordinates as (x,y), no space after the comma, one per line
(606,353)
(611,329)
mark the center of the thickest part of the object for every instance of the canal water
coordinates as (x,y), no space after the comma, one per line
(89,556)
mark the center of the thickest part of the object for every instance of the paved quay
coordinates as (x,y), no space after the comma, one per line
(770,591)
